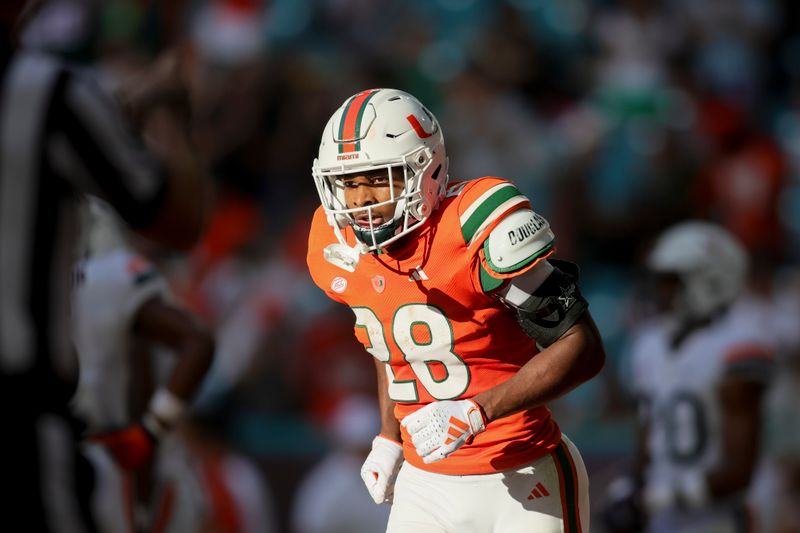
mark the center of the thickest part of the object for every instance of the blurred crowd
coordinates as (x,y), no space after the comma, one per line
(617,118)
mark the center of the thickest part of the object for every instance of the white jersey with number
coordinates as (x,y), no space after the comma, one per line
(678,387)
(110,289)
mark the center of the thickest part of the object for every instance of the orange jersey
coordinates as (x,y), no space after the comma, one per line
(423,309)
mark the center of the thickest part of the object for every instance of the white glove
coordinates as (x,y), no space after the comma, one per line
(440,428)
(380,469)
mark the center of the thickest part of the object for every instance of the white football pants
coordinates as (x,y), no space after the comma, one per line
(549,495)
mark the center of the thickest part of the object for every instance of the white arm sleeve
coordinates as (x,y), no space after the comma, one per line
(523,286)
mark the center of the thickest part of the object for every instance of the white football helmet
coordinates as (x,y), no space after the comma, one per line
(710,262)
(382,129)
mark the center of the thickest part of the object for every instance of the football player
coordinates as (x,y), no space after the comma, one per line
(699,371)
(120,297)
(205,485)
(472,327)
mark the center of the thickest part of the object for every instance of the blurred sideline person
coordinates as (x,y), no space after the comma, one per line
(61,136)
(473,329)
(331,497)
(700,369)
(204,485)
(777,493)
(121,299)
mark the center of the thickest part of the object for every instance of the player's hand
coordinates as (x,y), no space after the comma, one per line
(161,85)
(440,428)
(380,469)
(621,508)
(132,447)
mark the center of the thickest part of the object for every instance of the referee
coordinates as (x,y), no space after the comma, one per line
(61,136)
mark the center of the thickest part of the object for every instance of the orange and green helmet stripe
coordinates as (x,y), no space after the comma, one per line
(350,124)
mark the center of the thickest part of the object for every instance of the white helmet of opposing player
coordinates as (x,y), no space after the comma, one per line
(710,262)
(382,129)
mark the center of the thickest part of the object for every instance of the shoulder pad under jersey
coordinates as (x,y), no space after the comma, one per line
(517,241)
(513,246)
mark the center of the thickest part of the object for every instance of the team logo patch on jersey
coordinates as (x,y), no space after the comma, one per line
(339,284)
(378,283)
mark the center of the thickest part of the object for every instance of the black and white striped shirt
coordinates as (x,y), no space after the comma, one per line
(60,136)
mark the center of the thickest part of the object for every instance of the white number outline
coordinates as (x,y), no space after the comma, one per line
(696,427)
(416,355)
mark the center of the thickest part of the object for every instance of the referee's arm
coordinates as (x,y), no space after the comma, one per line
(162,193)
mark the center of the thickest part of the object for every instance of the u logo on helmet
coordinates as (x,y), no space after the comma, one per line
(418,127)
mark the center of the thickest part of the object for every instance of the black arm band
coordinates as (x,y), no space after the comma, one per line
(554,306)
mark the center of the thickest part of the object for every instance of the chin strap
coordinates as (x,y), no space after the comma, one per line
(377,235)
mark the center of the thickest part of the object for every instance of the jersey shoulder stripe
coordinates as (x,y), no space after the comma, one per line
(483,202)
(749,360)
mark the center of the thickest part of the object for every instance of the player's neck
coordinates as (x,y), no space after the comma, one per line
(408,245)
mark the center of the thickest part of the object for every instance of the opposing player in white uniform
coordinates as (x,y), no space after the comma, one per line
(119,297)
(204,485)
(699,371)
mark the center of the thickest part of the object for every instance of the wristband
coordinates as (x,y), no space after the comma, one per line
(395,441)
(476,417)
(166,407)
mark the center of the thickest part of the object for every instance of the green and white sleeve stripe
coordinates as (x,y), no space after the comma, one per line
(487,208)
